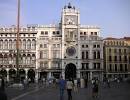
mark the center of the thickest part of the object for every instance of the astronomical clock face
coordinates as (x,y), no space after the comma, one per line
(71,20)
(70,51)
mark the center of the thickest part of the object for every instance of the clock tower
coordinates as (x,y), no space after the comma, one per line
(70,25)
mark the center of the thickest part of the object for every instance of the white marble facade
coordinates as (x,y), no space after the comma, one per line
(68,49)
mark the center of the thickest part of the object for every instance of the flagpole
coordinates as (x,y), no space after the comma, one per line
(17,42)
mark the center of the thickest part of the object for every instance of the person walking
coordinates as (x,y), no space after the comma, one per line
(3,95)
(69,87)
(95,90)
(62,84)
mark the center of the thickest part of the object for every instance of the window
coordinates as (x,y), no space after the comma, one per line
(94,55)
(82,46)
(1,44)
(125,58)
(29,44)
(24,44)
(83,67)
(109,50)
(46,32)
(115,67)
(42,32)
(94,66)
(45,45)
(56,54)
(84,33)
(10,44)
(58,32)
(86,46)
(45,54)
(41,64)
(81,33)
(126,69)
(6,44)
(115,58)
(119,50)
(98,46)
(91,33)
(94,46)
(115,50)
(41,54)
(110,67)
(53,32)
(41,46)
(82,55)
(95,33)
(98,65)
(125,51)
(121,67)
(86,54)
(98,54)
(33,44)
(119,58)
(110,58)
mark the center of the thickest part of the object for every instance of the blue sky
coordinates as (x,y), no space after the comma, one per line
(112,16)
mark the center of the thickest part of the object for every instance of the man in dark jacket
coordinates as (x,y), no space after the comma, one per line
(3,95)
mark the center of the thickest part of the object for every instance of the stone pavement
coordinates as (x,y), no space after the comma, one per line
(118,91)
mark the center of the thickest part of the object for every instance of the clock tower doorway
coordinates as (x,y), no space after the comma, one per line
(70,71)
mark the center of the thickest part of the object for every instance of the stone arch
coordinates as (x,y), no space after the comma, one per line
(22,74)
(12,73)
(3,73)
(31,74)
(70,71)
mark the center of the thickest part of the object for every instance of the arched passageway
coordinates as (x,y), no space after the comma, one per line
(31,75)
(70,71)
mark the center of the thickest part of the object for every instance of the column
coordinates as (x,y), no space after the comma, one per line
(91,75)
(7,75)
(26,73)
(36,76)
(63,74)
(49,74)
(78,74)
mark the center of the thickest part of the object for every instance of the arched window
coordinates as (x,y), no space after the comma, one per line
(6,44)
(24,44)
(94,55)
(24,59)
(29,44)
(10,44)
(28,59)
(1,44)
(33,44)
(98,54)
(14,46)
(41,55)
